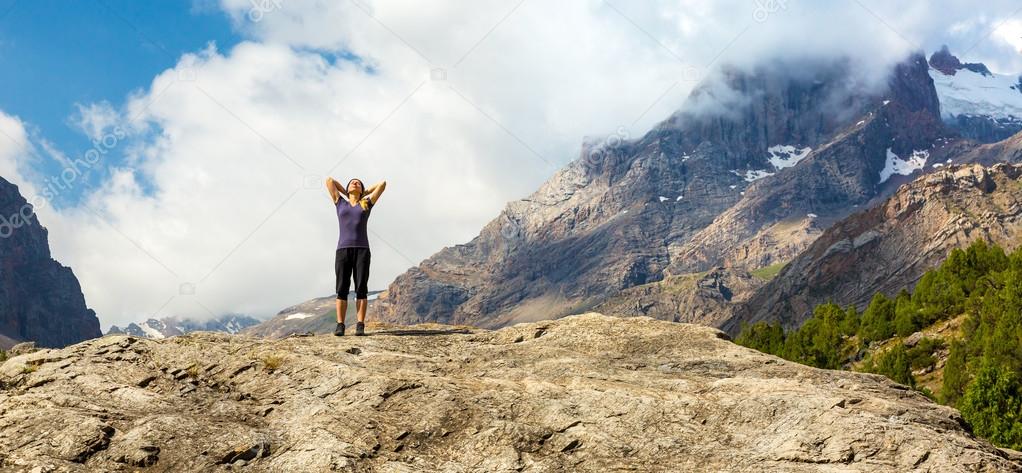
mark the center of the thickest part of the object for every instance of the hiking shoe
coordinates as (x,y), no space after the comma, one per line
(360,329)
(339,331)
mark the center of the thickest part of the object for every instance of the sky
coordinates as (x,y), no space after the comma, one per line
(176,151)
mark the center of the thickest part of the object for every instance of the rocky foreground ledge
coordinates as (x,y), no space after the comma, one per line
(584,393)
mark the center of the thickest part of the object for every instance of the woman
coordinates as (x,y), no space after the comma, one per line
(352,257)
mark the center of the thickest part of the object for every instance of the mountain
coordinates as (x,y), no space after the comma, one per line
(40,300)
(980,104)
(313,316)
(751,171)
(584,393)
(890,246)
(173,326)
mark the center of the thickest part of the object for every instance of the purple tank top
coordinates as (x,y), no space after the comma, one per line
(352,220)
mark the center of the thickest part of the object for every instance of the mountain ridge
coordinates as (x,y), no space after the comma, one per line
(693,194)
(174,326)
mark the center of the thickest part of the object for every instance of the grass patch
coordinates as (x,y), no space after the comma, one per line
(28,369)
(767,273)
(3,356)
(272,363)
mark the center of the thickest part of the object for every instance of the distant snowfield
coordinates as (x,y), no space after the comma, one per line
(299,315)
(150,331)
(972,93)
(786,156)
(896,165)
(781,156)
(754,174)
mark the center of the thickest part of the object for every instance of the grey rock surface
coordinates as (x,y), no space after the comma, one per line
(583,393)
(708,298)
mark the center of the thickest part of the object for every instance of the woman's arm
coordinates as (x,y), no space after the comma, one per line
(335,189)
(376,190)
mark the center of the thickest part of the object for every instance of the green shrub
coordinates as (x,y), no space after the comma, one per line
(894,364)
(993,406)
(921,355)
(877,320)
(956,376)
(819,341)
(767,338)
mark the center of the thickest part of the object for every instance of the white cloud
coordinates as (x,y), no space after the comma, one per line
(95,119)
(14,149)
(222,144)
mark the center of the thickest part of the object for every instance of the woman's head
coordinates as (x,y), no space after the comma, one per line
(355,186)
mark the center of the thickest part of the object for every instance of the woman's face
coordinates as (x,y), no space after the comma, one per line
(355,187)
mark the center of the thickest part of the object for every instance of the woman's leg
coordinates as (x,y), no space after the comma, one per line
(360,306)
(361,274)
(343,266)
(342,308)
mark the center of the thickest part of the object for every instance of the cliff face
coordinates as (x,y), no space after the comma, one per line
(40,300)
(584,393)
(890,246)
(773,157)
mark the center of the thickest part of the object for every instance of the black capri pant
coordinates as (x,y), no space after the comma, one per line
(352,263)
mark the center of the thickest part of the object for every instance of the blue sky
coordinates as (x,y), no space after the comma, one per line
(56,54)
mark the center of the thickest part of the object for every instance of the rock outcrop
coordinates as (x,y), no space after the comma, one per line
(584,393)
(40,300)
(708,298)
(890,246)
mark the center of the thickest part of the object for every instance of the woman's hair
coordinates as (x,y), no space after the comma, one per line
(353,180)
(362,199)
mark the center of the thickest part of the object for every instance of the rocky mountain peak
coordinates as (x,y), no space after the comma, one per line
(980,105)
(572,394)
(731,181)
(40,300)
(949,64)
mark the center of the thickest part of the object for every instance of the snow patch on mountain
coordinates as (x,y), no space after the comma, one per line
(299,315)
(970,93)
(151,331)
(172,326)
(786,156)
(896,165)
(753,174)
